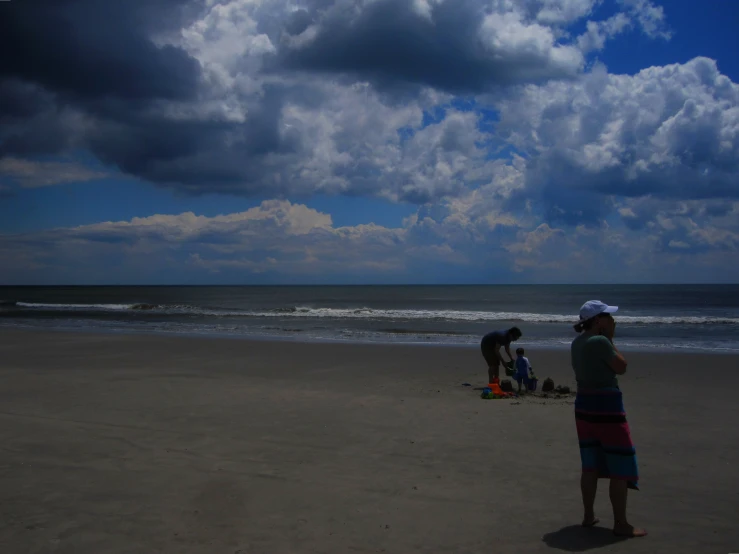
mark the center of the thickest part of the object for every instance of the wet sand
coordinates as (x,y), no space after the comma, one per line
(135,444)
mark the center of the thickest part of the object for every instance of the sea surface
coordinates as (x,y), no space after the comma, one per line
(651,317)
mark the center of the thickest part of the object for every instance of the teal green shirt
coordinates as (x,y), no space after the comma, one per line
(590,357)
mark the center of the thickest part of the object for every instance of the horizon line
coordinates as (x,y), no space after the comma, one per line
(379,284)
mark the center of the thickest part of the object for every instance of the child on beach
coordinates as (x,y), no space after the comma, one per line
(523,367)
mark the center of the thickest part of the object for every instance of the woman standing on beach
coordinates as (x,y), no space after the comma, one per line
(606,449)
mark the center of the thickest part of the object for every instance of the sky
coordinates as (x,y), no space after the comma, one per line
(369,141)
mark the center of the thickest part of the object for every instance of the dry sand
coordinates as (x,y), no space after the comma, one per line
(133,444)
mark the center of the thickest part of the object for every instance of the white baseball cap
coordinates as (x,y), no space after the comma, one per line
(592,308)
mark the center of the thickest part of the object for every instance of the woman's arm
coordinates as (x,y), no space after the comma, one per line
(616,361)
(508,351)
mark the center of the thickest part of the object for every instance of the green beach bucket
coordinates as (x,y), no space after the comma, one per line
(509,369)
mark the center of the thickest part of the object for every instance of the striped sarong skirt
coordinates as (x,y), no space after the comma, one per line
(605,440)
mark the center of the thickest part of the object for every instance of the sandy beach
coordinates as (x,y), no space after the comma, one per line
(140,444)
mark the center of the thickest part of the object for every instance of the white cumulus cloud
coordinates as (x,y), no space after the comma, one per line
(670,132)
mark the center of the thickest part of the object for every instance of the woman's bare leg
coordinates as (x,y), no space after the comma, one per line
(589,486)
(493,372)
(618,493)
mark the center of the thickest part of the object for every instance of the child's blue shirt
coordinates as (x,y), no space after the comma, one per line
(522,366)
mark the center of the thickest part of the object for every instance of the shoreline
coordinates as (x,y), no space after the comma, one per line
(255,337)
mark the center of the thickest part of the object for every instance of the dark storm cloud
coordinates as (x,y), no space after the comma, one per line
(73,60)
(19,100)
(30,122)
(392,44)
(201,156)
(88,49)
(34,122)
(89,64)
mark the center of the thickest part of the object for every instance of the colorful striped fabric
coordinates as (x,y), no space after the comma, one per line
(605,439)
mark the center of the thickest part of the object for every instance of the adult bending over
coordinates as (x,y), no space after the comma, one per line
(606,449)
(490,346)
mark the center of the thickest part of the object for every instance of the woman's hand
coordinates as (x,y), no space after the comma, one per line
(609,328)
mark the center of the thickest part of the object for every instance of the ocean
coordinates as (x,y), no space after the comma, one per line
(651,317)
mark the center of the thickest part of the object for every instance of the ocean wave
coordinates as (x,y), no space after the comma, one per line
(365,313)
(72,307)
(459,315)
(398,331)
(139,306)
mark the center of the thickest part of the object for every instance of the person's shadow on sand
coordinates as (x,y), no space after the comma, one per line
(576,538)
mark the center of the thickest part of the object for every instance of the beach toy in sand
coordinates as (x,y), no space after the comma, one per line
(497,391)
(533,381)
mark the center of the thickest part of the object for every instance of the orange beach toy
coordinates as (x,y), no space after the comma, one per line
(496,390)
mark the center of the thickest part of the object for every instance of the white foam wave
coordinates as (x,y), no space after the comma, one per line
(63,307)
(458,315)
(378,314)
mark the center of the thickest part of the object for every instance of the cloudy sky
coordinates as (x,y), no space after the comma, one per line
(368,141)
